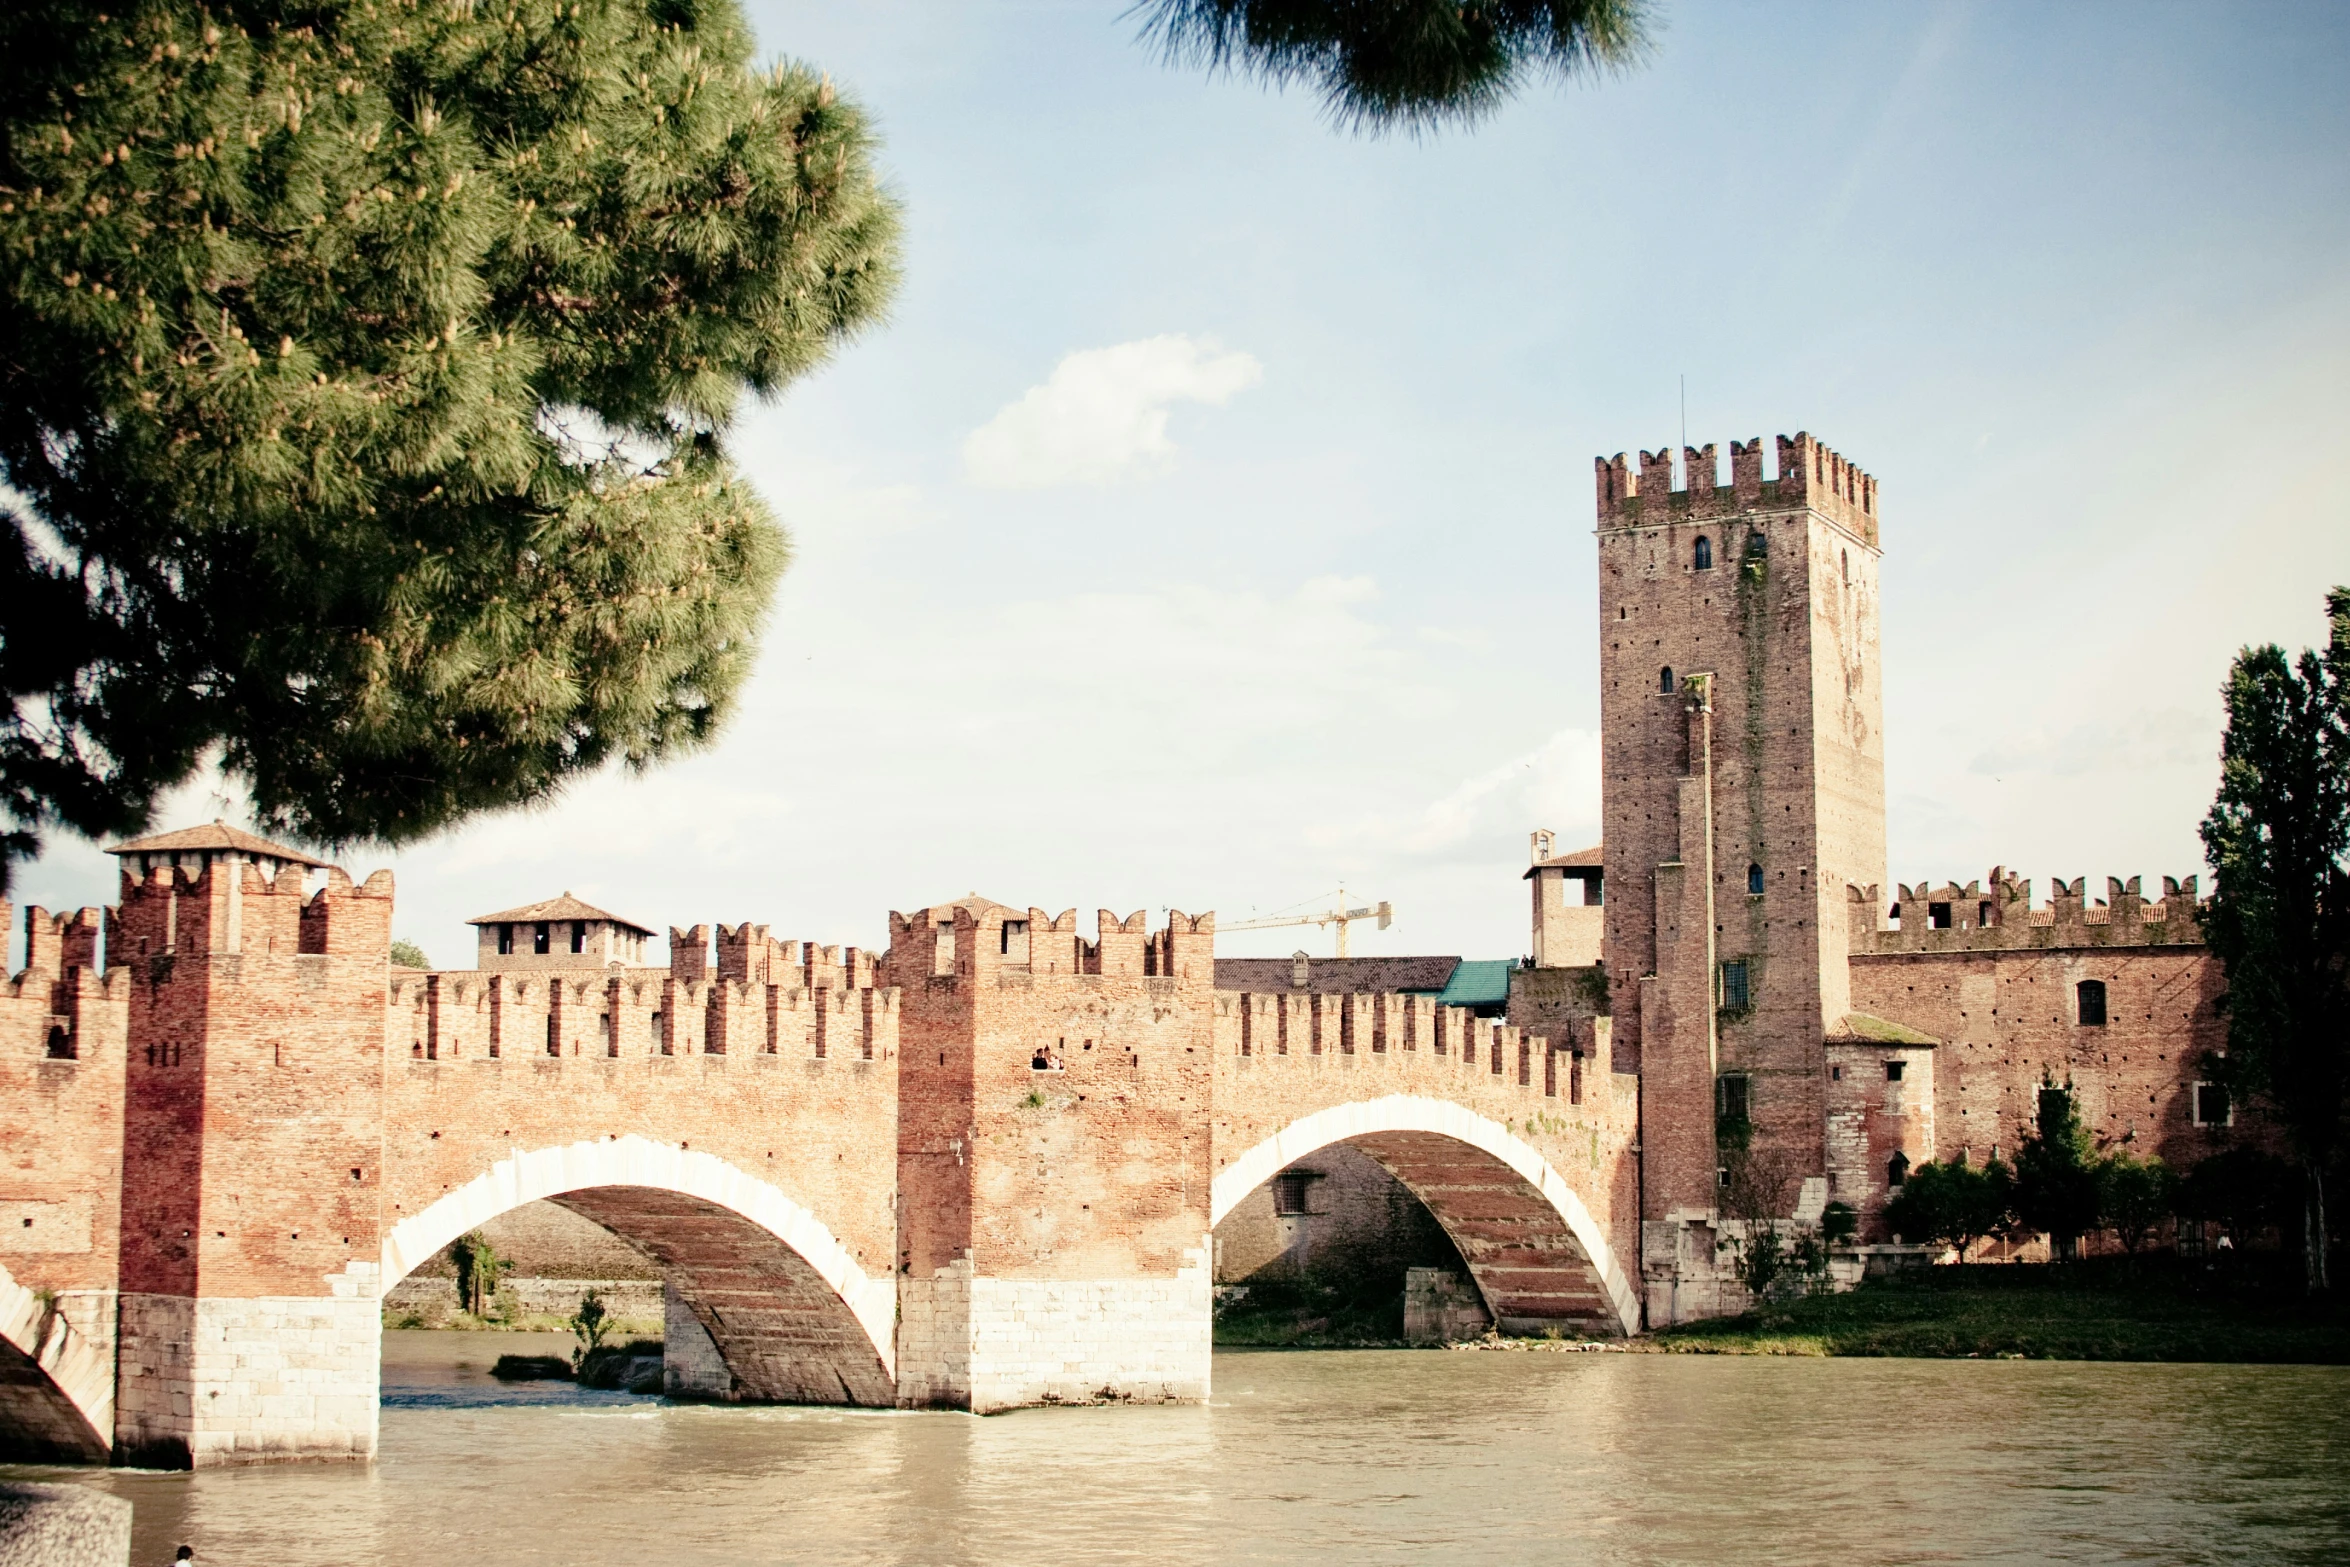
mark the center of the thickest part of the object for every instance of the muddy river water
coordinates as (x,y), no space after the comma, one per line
(1342,1457)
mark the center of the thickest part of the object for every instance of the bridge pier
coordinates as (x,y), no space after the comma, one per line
(988,1344)
(208,1380)
(1053,1147)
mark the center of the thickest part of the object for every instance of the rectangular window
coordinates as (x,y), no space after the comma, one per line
(1732,1098)
(1893,1071)
(505,941)
(1736,997)
(2091,997)
(579,935)
(1289,1192)
(1938,915)
(2211,1106)
(1015,936)
(540,937)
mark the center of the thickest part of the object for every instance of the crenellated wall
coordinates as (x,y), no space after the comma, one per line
(1994,983)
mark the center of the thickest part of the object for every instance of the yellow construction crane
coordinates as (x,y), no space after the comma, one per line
(1339,915)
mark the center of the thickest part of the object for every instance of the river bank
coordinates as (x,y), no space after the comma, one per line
(2152,1309)
(2102,1310)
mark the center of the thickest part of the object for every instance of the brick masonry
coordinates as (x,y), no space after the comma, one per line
(983,1167)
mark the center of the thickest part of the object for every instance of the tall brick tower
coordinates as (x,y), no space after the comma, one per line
(1743,784)
(252,1225)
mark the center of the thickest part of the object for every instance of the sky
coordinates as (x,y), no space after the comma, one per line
(1210,525)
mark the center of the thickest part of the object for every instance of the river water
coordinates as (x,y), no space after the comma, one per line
(1343,1457)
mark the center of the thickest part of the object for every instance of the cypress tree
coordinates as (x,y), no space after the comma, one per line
(366,368)
(2278,839)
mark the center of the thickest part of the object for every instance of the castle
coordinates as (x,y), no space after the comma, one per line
(994,1162)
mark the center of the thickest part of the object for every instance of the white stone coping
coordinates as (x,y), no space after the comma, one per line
(528,1175)
(1412,1113)
(80,1369)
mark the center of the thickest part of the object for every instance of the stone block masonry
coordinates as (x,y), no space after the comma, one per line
(211,1381)
(989,1344)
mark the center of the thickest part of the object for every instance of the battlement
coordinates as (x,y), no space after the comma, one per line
(56,943)
(235,906)
(1410,1027)
(964,941)
(1951,918)
(1808,475)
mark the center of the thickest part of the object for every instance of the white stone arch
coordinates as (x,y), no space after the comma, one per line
(528,1175)
(72,1416)
(1411,1113)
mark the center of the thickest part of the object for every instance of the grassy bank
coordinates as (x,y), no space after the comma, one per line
(2108,1309)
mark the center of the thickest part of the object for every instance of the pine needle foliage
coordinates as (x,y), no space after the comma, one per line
(365,372)
(1413,65)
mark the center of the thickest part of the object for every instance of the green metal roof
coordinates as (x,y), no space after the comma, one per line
(1478,982)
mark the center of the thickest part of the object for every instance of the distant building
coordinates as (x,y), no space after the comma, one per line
(557,933)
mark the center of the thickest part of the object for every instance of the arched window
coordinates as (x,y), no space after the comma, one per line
(2090,994)
(1754,882)
(1756,545)
(1897,1169)
(1664,681)
(1702,557)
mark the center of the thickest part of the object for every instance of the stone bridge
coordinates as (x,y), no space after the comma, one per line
(978,1170)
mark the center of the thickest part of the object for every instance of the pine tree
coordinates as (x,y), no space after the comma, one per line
(1413,64)
(2278,839)
(367,371)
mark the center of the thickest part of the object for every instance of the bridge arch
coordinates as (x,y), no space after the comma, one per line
(1531,1244)
(56,1389)
(794,1315)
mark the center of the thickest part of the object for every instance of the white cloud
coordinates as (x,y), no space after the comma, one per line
(1102,415)
(1555,785)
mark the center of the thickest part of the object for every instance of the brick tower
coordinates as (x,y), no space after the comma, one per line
(1053,1156)
(252,1230)
(1743,786)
